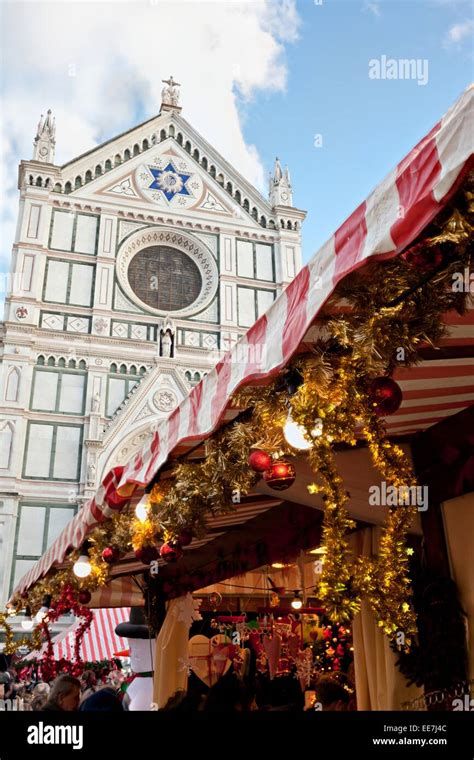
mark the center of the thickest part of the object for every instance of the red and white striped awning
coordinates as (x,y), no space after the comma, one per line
(100,642)
(421,185)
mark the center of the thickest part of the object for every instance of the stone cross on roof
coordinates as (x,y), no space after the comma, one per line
(170,93)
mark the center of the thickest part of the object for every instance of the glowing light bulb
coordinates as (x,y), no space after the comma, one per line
(82,567)
(297,602)
(295,435)
(141,510)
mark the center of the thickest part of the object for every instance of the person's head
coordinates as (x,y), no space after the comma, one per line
(282,693)
(89,679)
(103,700)
(331,694)
(229,694)
(65,693)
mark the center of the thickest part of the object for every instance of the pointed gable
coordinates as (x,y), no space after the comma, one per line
(168,166)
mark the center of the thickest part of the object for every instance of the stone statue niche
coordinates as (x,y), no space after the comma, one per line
(167,342)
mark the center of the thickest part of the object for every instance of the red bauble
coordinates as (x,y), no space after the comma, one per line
(110,554)
(147,554)
(171,552)
(280,476)
(423,257)
(185,537)
(385,395)
(259,460)
(84,597)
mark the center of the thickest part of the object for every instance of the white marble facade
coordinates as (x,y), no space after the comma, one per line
(89,359)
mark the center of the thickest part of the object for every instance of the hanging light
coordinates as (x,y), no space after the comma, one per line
(295,434)
(27,623)
(44,609)
(82,566)
(297,601)
(141,510)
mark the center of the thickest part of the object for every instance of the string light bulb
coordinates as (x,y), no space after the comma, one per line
(295,435)
(297,601)
(141,510)
(44,609)
(82,566)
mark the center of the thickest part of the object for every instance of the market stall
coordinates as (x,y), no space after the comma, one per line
(323,428)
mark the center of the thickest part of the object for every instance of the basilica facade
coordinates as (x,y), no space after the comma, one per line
(134,267)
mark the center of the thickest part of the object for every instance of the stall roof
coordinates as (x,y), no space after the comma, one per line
(421,185)
(99,642)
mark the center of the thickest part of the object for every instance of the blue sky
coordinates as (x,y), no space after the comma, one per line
(367,126)
(259,78)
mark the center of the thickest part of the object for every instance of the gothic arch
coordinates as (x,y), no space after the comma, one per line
(6,440)
(13,384)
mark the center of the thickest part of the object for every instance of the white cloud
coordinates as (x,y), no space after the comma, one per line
(373,8)
(221,52)
(458,32)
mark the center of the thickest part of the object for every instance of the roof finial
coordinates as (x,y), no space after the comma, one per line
(45,139)
(170,94)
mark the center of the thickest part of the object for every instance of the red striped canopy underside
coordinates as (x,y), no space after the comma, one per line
(99,642)
(383,225)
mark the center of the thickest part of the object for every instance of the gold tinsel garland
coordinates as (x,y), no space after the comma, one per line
(384,312)
(11,644)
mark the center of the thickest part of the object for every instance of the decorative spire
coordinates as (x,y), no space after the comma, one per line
(45,140)
(280,186)
(170,95)
(278,172)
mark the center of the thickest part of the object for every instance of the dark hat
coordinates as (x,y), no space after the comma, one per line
(104,700)
(136,628)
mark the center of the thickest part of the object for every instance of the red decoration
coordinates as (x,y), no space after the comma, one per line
(110,555)
(146,554)
(171,552)
(385,395)
(50,668)
(280,476)
(185,537)
(84,597)
(423,257)
(259,460)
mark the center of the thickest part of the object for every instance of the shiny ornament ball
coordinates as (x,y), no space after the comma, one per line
(146,554)
(110,555)
(385,395)
(84,597)
(171,552)
(280,476)
(259,460)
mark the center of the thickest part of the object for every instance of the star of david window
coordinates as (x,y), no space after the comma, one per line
(169,181)
(164,278)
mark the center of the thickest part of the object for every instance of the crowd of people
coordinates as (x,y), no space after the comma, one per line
(229,695)
(65,694)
